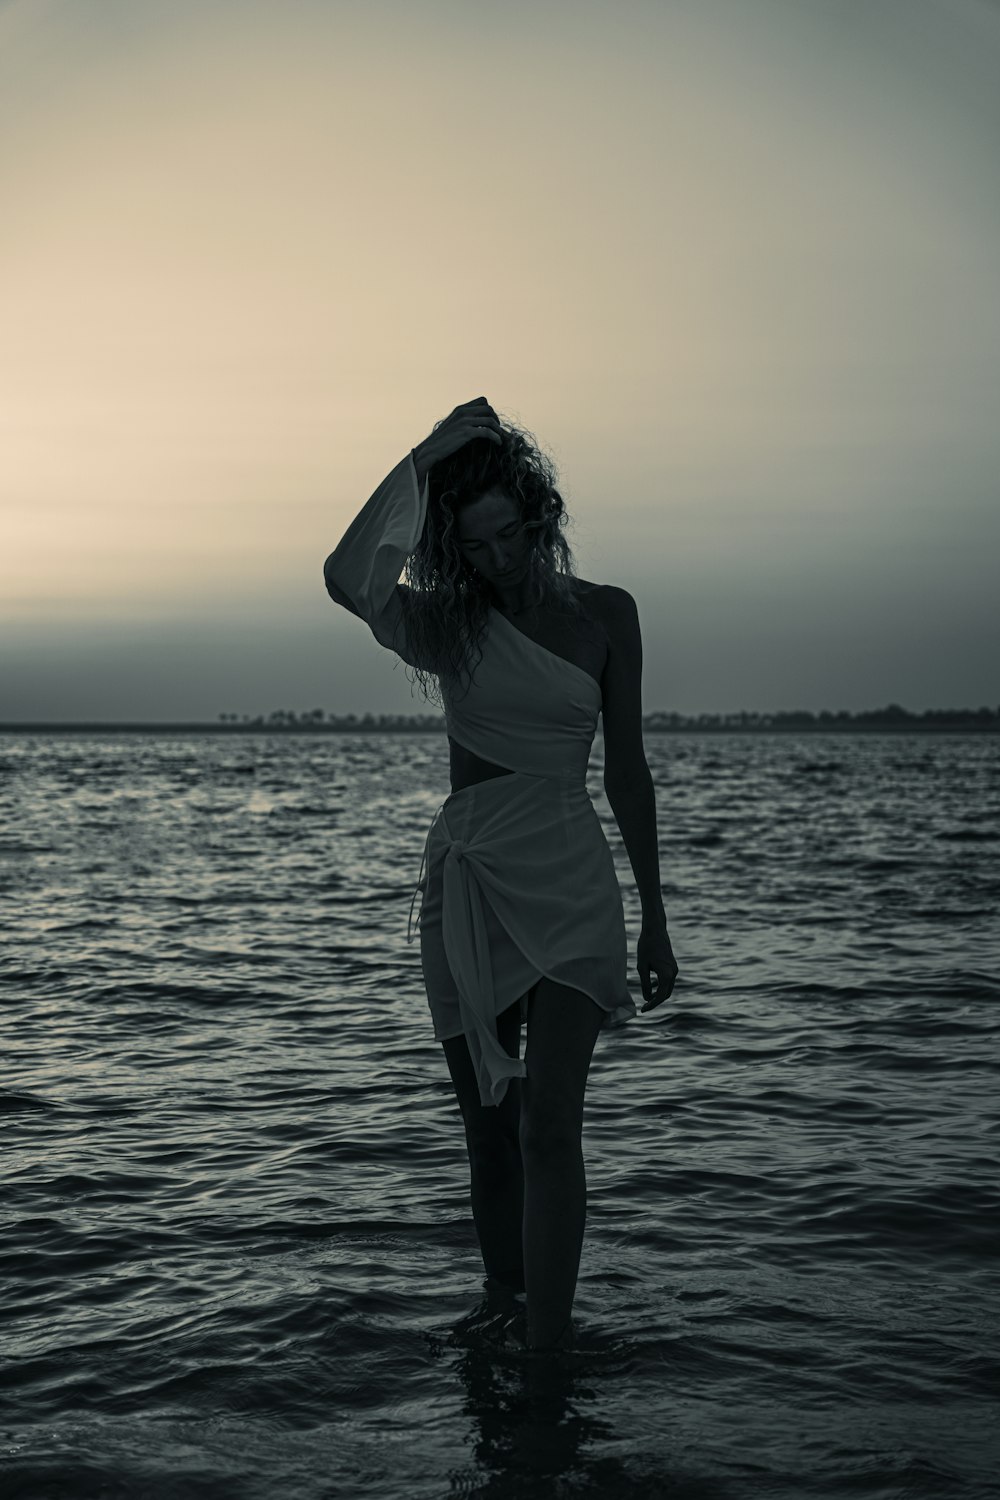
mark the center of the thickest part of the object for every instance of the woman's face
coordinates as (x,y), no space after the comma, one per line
(491,537)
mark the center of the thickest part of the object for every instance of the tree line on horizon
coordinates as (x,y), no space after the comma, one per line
(893,716)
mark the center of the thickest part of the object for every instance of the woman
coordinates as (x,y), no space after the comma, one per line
(522,917)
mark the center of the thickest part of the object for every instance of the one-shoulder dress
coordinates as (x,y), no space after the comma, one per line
(517,878)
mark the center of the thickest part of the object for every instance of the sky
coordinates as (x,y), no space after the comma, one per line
(735,265)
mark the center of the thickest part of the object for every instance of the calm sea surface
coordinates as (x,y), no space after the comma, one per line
(237,1243)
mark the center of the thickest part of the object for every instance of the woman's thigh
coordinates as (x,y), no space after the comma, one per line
(487,1123)
(563,1026)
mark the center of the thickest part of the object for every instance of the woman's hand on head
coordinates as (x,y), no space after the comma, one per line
(473,419)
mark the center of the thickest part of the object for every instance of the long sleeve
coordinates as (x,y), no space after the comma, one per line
(367,561)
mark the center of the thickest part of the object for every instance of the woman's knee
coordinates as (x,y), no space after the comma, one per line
(494,1157)
(545,1135)
(491,1131)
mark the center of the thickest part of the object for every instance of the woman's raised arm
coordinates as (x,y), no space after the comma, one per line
(362,572)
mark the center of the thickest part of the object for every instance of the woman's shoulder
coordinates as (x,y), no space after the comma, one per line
(601,591)
(602,599)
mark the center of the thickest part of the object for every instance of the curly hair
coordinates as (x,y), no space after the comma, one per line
(448,604)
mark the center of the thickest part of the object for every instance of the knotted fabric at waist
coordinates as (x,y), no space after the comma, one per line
(455,847)
(470,865)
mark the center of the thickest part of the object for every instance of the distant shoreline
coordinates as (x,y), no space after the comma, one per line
(912,726)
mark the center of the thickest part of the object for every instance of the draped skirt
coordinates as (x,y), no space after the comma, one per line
(518,883)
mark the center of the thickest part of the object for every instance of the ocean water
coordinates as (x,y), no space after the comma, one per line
(237,1247)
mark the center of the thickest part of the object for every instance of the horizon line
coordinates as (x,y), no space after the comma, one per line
(656,720)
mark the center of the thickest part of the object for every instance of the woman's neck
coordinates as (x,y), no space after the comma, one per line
(518,601)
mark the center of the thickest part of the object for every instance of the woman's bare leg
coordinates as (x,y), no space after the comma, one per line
(563,1025)
(495,1170)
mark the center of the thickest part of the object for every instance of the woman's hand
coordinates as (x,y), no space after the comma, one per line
(654,952)
(472,419)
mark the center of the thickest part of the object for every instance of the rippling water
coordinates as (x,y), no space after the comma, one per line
(237,1240)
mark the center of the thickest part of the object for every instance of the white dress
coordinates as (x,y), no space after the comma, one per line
(520,881)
